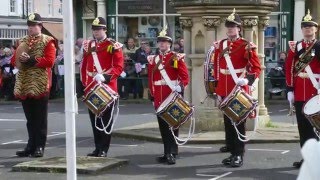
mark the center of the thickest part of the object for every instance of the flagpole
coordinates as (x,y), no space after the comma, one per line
(69,81)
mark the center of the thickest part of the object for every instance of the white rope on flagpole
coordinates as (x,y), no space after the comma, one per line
(70,98)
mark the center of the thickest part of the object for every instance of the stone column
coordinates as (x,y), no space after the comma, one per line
(299,12)
(211,23)
(248,23)
(186,24)
(263,23)
(101,8)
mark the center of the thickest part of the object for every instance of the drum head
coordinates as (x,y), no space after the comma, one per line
(312,106)
(166,102)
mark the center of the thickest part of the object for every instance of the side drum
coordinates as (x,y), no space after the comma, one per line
(210,82)
(238,105)
(99,98)
(311,110)
(175,110)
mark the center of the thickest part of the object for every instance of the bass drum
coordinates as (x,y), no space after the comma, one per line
(210,82)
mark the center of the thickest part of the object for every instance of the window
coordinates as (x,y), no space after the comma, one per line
(13,6)
(50,7)
(60,8)
(30,8)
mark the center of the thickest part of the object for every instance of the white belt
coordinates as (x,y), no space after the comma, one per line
(305,75)
(227,71)
(163,82)
(91,74)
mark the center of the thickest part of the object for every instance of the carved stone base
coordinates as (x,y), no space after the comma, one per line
(209,119)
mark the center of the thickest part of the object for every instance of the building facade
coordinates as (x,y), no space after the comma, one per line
(12,23)
(13,14)
(132,18)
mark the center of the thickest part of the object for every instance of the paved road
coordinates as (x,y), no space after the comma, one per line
(262,161)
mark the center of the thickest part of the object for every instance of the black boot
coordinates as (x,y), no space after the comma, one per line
(227,161)
(162,159)
(25,153)
(38,152)
(236,161)
(297,164)
(171,159)
(102,153)
(93,153)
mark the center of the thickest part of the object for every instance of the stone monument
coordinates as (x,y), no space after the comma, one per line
(203,23)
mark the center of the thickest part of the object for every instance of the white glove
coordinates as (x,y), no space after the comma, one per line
(219,99)
(123,74)
(177,88)
(99,78)
(242,82)
(290,97)
(252,88)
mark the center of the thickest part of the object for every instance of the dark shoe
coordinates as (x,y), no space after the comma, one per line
(162,159)
(38,152)
(297,164)
(225,149)
(102,153)
(227,161)
(25,153)
(94,153)
(171,159)
(236,161)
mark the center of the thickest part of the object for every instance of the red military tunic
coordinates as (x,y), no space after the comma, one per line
(300,84)
(239,54)
(158,88)
(110,56)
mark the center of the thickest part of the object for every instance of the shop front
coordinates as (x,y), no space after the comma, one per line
(141,19)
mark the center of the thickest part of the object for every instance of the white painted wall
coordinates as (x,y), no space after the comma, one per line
(42,7)
(5,8)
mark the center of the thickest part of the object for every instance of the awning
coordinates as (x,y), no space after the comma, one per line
(54,29)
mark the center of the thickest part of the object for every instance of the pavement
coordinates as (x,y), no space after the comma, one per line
(136,139)
(279,133)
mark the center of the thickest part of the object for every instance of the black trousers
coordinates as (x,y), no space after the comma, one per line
(236,146)
(305,128)
(169,144)
(101,139)
(36,112)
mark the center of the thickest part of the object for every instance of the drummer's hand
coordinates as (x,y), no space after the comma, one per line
(24,57)
(242,82)
(219,98)
(99,78)
(177,88)
(252,88)
(290,97)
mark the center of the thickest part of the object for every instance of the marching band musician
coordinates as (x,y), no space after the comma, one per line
(299,86)
(34,58)
(176,69)
(244,58)
(110,56)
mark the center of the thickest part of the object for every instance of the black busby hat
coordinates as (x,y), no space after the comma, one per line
(163,35)
(99,23)
(233,19)
(34,19)
(308,21)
